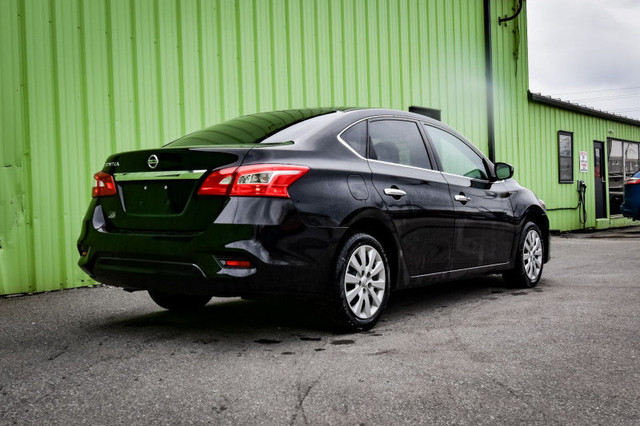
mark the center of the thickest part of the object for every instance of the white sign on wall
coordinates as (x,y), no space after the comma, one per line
(584,163)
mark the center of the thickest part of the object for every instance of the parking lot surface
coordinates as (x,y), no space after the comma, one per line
(469,352)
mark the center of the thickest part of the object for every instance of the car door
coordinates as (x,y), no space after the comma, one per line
(416,196)
(484,224)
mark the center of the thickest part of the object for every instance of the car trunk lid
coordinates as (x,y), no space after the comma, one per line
(157,189)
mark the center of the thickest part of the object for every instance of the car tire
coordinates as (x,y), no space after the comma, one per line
(529,258)
(359,287)
(179,302)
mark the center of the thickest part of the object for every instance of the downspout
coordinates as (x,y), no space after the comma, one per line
(488,60)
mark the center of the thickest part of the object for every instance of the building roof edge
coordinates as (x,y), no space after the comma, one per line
(581,109)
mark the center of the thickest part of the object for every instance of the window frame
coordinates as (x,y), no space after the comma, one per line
(560,157)
(366,138)
(488,165)
(433,165)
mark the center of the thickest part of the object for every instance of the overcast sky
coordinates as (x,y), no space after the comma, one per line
(586,47)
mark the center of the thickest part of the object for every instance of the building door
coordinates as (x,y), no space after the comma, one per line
(599,183)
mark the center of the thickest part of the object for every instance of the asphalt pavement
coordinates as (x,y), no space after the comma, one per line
(468,352)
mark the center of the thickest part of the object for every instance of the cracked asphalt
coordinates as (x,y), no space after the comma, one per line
(469,352)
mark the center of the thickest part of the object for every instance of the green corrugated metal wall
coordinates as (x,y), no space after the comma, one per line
(83,79)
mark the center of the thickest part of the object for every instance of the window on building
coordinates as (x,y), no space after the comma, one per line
(624,161)
(455,155)
(397,141)
(565,157)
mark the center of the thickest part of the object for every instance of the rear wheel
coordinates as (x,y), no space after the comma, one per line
(179,302)
(359,289)
(529,258)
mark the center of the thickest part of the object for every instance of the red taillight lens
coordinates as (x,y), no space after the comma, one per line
(235,263)
(218,182)
(259,180)
(632,181)
(103,186)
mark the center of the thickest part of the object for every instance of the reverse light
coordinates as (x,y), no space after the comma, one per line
(632,181)
(104,185)
(258,180)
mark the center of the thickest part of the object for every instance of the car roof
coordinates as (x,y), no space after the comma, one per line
(255,128)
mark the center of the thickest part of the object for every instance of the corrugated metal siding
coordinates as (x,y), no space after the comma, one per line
(83,79)
(526,132)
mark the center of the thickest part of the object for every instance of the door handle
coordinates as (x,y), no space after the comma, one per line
(395,192)
(462,198)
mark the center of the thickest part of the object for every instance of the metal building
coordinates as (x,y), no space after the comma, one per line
(82,79)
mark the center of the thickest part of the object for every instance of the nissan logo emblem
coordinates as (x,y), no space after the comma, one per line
(153,161)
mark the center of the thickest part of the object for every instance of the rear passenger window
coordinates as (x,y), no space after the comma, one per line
(355,136)
(399,142)
(455,155)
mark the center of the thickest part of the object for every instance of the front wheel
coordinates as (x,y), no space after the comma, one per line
(179,302)
(529,258)
(359,289)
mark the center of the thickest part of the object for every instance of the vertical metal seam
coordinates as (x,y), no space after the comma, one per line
(389,61)
(136,83)
(287,14)
(343,25)
(356,67)
(24,75)
(423,93)
(456,61)
(156,35)
(256,65)
(220,70)
(180,52)
(400,55)
(302,56)
(367,46)
(239,58)
(272,31)
(55,75)
(110,82)
(316,43)
(85,88)
(410,53)
(379,41)
(331,55)
(203,120)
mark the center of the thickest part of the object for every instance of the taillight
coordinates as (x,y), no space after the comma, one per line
(218,182)
(259,180)
(632,181)
(235,263)
(103,186)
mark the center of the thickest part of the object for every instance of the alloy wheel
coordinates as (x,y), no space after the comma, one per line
(532,255)
(365,282)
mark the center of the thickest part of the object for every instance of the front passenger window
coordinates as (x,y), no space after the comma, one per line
(456,156)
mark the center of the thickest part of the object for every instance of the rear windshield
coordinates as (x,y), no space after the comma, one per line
(255,128)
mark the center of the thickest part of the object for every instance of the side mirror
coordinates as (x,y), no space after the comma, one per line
(503,171)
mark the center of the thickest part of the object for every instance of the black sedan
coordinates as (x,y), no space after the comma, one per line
(341,205)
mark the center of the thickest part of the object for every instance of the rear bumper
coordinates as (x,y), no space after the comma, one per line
(630,210)
(285,259)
